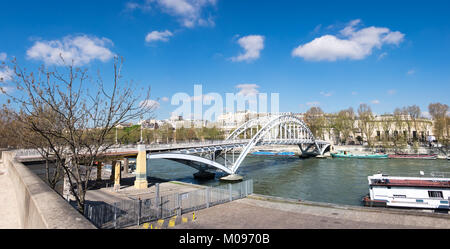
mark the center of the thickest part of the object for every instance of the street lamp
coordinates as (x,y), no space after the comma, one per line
(141,131)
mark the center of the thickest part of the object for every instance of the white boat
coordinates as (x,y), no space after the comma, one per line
(408,192)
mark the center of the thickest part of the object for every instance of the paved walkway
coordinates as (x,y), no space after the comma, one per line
(259,213)
(9,217)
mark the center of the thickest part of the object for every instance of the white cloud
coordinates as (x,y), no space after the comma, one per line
(354,44)
(313,103)
(131,6)
(6,74)
(252,44)
(391,92)
(80,49)
(6,89)
(382,55)
(149,103)
(190,13)
(165,99)
(410,72)
(376,101)
(248,89)
(3,56)
(354,93)
(158,36)
(326,94)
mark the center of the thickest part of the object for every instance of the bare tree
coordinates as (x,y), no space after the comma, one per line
(344,124)
(315,120)
(438,112)
(386,123)
(366,122)
(75,115)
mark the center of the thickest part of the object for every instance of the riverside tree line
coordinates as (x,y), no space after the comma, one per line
(347,125)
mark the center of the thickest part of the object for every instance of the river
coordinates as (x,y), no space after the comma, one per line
(338,181)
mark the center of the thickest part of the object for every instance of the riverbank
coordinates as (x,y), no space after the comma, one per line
(357,149)
(441,154)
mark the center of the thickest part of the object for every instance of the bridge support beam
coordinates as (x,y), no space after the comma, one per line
(204,175)
(117,174)
(125,165)
(141,168)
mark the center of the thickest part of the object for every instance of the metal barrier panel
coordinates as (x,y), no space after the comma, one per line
(168,205)
(218,196)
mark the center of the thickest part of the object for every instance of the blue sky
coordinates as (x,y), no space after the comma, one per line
(332,54)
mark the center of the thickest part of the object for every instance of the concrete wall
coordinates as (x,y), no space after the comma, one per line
(39,205)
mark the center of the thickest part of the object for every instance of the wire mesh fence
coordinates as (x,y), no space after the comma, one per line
(136,211)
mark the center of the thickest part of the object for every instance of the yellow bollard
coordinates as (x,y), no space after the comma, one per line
(193,216)
(151,226)
(145,225)
(171,223)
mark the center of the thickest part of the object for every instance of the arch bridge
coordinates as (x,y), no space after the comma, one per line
(226,155)
(282,129)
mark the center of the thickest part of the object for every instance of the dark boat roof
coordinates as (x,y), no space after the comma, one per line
(411,183)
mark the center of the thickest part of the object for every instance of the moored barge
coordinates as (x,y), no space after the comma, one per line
(408,192)
(359,156)
(273,153)
(413,156)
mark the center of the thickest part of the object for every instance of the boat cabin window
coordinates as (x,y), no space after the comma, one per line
(436,194)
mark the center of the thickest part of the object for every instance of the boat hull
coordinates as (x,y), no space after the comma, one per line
(428,157)
(265,153)
(381,156)
(373,203)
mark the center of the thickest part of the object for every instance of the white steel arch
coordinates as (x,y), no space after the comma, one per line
(275,129)
(301,134)
(187,157)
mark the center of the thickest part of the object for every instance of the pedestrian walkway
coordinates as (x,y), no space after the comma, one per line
(9,215)
(259,212)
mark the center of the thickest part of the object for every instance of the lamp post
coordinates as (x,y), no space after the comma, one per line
(141,131)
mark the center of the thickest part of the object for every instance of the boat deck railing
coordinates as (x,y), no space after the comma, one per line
(433,174)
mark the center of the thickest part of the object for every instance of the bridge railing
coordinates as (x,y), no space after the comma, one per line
(156,146)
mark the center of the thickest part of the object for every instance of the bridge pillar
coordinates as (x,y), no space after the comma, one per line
(141,168)
(113,171)
(116,175)
(125,165)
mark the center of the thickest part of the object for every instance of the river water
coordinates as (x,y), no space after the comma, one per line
(338,181)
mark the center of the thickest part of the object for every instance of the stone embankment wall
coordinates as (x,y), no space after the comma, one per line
(40,206)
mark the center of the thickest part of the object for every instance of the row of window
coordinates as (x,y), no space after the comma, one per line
(433,194)
(405,133)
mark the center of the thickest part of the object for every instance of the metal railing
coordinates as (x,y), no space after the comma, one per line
(135,212)
(125,148)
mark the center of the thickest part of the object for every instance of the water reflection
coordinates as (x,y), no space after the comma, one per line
(339,181)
